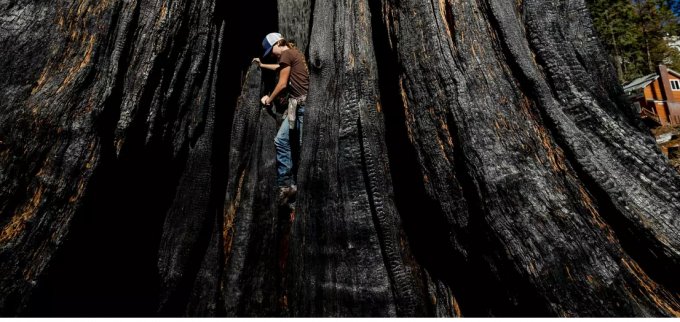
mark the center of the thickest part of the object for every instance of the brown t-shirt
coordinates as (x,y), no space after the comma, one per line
(299,78)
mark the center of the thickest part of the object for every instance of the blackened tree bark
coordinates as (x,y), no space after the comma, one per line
(251,216)
(515,105)
(108,114)
(294,21)
(192,215)
(478,153)
(347,250)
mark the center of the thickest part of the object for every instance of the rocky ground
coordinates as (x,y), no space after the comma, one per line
(668,138)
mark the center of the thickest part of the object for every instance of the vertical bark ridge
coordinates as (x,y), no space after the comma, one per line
(188,222)
(204,300)
(251,210)
(256,230)
(425,223)
(347,233)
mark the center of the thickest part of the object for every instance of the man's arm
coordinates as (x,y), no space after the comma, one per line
(283,83)
(267,66)
(270,66)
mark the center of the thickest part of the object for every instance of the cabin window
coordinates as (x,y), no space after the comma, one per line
(675,84)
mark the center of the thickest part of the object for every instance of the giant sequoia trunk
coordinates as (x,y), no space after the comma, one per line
(459,157)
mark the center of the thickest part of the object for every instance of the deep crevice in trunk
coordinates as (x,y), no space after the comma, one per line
(424,221)
(430,226)
(118,231)
(108,237)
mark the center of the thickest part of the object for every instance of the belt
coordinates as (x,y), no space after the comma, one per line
(291,112)
(301,100)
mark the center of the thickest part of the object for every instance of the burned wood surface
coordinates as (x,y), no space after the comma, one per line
(486,118)
(295,18)
(347,249)
(471,158)
(114,96)
(251,216)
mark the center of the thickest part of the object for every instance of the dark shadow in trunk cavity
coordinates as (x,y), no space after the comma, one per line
(108,264)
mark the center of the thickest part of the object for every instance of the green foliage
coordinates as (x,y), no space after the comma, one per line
(636,34)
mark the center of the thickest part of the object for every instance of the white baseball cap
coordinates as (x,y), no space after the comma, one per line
(269,42)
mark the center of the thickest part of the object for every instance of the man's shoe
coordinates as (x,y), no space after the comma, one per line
(282,196)
(292,193)
(286,194)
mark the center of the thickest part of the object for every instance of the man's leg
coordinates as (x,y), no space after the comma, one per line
(300,116)
(298,127)
(284,161)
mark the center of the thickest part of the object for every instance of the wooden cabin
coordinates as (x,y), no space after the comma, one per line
(657,96)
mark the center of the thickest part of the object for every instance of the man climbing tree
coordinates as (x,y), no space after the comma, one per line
(473,158)
(291,90)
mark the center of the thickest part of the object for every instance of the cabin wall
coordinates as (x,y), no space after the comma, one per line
(660,109)
(653,90)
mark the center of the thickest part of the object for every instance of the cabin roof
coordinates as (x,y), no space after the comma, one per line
(639,83)
(644,81)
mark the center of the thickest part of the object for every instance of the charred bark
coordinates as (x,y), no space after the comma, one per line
(295,18)
(249,285)
(109,124)
(478,153)
(347,250)
(499,96)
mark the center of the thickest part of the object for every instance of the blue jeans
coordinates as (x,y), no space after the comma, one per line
(284,157)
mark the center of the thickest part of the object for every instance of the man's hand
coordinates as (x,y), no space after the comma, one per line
(258,61)
(265,100)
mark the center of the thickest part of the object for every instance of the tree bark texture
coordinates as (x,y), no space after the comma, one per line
(295,18)
(347,250)
(107,87)
(520,103)
(251,217)
(472,158)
